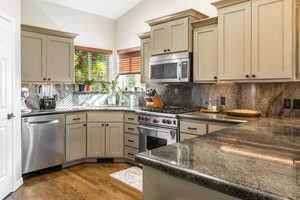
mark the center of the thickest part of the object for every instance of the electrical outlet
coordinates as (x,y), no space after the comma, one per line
(296,103)
(287,103)
(223,101)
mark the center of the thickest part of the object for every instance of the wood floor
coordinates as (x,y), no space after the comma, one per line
(82,182)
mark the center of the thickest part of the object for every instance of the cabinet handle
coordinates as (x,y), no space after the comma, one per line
(247,76)
(107,124)
(44,79)
(83,124)
(130,154)
(131,129)
(130,118)
(76,119)
(130,140)
(253,75)
(193,129)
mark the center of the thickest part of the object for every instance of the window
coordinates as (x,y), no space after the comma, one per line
(92,64)
(130,69)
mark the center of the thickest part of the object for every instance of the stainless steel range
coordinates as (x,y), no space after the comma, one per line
(159,127)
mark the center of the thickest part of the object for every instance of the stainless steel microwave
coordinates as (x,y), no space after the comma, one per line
(171,68)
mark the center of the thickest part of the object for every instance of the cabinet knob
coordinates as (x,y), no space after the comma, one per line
(44,79)
(253,75)
(107,124)
(215,77)
(247,76)
(49,79)
(169,49)
(83,124)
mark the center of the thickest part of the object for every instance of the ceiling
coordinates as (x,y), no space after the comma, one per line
(107,8)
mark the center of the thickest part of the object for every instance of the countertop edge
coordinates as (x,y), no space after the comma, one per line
(210,182)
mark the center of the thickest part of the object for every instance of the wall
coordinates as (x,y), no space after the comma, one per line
(94,31)
(133,22)
(267,97)
(12,8)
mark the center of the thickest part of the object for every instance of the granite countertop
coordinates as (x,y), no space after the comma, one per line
(254,160)
(79,109)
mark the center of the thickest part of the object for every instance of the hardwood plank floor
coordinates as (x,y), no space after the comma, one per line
(82,182)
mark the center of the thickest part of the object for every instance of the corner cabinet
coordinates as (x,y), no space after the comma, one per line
(145,56)
(46,55)
(205,50)
(256,39)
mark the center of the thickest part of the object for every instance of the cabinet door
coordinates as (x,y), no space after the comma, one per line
(75,142)
(160,39)
(114,140)
(218,126)
(145,53)
(272,38)
(179,34)
(206,53)
(96,140)
(33,56)
(60,59)
(235,42)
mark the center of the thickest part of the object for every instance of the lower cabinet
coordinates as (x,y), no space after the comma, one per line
(105,140)
(96,140)
(186,136)
(75,142)
(114,140)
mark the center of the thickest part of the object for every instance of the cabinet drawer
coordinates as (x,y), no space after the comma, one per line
(105,116)
(132,140)
(131,128)
(218,126)
(131,118)
(185,136)
(130,152)
(193,127)
(76,118)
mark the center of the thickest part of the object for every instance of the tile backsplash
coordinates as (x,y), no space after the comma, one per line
(67,97)
(267,97)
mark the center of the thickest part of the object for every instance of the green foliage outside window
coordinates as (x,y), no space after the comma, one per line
(91,66)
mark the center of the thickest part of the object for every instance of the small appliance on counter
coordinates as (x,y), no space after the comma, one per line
(153,99)
(47,103)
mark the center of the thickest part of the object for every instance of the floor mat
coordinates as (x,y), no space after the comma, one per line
(132,176)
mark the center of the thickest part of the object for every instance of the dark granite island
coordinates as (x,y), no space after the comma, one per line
(254,160)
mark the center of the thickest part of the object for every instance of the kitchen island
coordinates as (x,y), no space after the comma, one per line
(258,159)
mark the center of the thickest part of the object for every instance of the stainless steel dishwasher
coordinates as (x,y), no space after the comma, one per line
(43,142)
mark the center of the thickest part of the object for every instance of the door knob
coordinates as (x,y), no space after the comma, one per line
(10,116)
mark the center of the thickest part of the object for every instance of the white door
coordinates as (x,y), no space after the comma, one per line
(6,133)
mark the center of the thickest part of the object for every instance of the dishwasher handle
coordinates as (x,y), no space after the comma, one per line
(44,122)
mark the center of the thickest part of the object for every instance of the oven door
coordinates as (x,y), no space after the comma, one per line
(165,71)
(151,137)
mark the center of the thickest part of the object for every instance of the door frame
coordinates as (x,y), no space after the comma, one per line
(17,180)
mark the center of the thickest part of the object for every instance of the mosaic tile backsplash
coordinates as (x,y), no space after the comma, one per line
(67,97)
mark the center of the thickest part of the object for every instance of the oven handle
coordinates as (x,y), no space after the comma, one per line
(155,129)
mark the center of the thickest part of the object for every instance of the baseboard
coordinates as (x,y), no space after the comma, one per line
(17,184)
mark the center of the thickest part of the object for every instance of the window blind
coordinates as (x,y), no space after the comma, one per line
(130,63)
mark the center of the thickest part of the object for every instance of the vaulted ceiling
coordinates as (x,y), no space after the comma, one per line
(107,8)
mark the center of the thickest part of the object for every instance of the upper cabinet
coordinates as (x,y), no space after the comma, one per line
(205,51)
(145,56)
(47,55)
(255,39)
(173,33)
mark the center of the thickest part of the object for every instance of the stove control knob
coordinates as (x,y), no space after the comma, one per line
(147,118)
(140,118)
(169,122)
(155,121)
(164,121)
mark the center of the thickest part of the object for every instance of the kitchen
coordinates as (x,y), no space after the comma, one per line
(134,99)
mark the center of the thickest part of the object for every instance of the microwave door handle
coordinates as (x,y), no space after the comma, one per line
(179,71)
